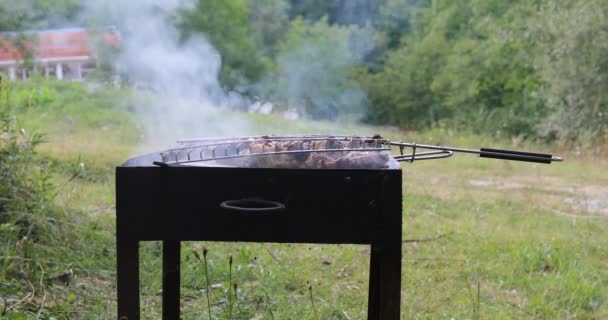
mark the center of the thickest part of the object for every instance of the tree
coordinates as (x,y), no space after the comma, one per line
(269,22)
(395,19)
(573,37)
(312,10)
(466,61)
(226,25)
(354,12)
(36,14)
(314,65)
(401,94)
(489,77)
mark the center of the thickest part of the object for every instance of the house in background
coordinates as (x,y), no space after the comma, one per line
(64,54)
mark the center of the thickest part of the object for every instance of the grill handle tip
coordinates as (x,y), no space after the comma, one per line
(517,155)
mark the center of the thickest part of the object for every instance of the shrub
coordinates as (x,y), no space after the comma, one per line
(25,188)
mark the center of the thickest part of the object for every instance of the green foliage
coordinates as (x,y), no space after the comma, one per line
(401,95)
(310,10)
(573,38)
(226,24)
(44,245)
(529,69)
(36,14)
(396,19)
(24,181)
(314,62)
(488,78)
(40,102)
(340,12)
(524,68)
(269,22)
(467,62)
(532,237)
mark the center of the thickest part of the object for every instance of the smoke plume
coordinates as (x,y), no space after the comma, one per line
(183,75)
(312,78)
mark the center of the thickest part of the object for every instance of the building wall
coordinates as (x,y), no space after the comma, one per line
(62,54)
(75,70)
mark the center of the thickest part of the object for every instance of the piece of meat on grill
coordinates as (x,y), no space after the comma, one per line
(311,154)
(364,159)
(351,160)
(263,145)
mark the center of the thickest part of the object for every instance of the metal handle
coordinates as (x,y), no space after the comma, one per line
(444,152)
(253,205)
(517,155)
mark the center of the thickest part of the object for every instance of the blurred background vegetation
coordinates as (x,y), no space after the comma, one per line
(511,74)
(526,69)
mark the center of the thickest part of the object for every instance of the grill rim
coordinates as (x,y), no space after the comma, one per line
(182,153)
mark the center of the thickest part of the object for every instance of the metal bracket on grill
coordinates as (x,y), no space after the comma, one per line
(424,156)
(430,155)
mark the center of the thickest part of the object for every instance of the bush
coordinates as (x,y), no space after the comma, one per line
(467,64)
(46,244)
(574,67)
(314,65)
(25,188)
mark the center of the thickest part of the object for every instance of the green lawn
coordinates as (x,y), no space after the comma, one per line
(507,240)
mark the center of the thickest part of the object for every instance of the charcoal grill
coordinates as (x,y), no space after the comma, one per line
(284,189)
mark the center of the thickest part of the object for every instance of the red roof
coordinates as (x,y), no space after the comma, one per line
(53,44)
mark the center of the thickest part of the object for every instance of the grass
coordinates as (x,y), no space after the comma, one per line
(513,240)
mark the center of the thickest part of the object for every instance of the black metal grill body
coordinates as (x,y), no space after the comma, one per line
(331,206)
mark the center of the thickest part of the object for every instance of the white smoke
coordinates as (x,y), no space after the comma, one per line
(312,77)
(314,70)
(183,74)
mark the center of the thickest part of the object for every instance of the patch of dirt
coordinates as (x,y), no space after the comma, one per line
(579,199)
(497,184)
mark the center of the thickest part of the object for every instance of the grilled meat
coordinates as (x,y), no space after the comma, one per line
(317,158)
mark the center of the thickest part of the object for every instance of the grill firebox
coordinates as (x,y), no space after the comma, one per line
(187,200)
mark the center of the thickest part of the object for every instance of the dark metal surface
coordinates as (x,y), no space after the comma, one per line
(182,203)
(171,280)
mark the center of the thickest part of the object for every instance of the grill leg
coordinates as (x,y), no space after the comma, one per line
(127,267)
(385,261)
(373,297)
(384,284)
(171,280)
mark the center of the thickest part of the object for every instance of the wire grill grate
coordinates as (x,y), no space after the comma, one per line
(213,149)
